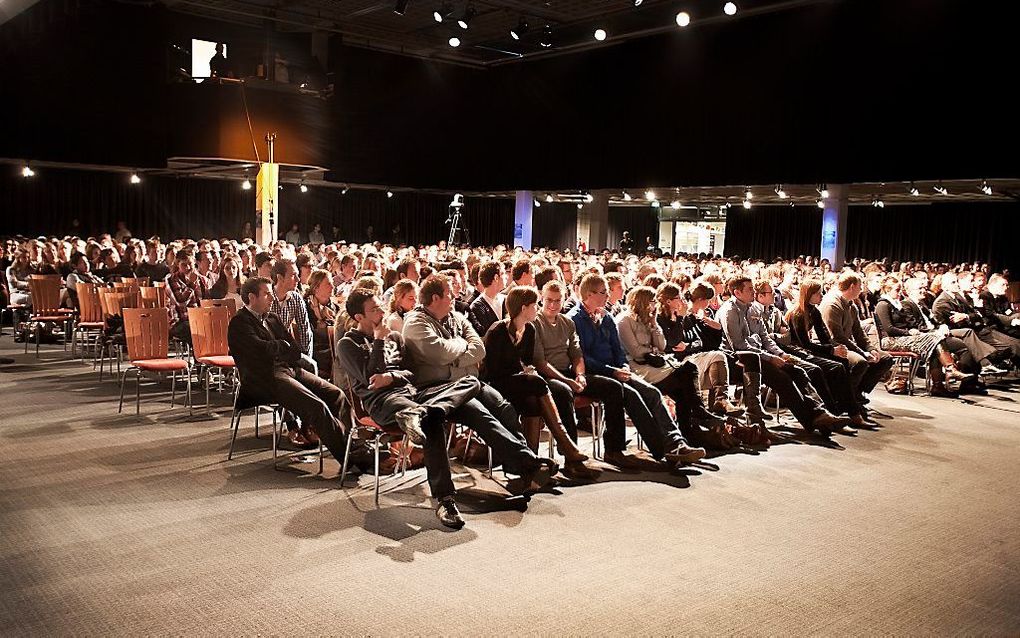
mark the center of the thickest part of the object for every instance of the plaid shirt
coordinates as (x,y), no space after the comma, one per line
(292,308)
(182,294)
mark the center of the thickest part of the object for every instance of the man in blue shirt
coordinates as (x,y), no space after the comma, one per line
(604,356)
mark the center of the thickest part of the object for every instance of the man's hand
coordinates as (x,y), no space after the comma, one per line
(381,331)
(712,323)
(575,386)
(1015,322)
(379,381)
(621,374)
(914,331)
(957,317)
(680,347)
(840,351)
(582,381)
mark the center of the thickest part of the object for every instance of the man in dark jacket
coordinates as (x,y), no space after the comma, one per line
(274,370)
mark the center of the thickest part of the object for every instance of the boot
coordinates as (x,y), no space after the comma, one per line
(717,374)
(694,404)
(752,398)
(574,466)
(950,371)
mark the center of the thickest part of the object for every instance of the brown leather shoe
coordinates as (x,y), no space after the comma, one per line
(684,454)
(626,461)
(827,423)
(577,470)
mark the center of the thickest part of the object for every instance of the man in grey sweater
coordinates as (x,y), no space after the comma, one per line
(441,346)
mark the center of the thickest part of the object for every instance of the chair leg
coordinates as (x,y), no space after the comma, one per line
(191,405)
(320,456)
(376,444)
(138,391)
(38,335)
(235,420)
(347,455)
(275,466)
(207,369)
(120,406)
(173,387)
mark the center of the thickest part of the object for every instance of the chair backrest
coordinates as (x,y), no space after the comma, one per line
(135,281)
(209,331)
(116,302)
(123,287)
(229,304)
(45,291)
(89,308)
(147,333)
(153,296)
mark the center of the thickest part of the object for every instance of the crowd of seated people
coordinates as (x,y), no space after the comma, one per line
(505,341)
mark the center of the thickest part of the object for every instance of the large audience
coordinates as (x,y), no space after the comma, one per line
(694,351)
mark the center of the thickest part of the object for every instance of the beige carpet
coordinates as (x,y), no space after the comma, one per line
(123,525)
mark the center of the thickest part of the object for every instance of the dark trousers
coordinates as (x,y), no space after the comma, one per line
(446,397)
(780,377)
(978,348)
(831,379)
(1002,342)
(182,330)
(315,401)
(496,422)
(682,387)
(965,360)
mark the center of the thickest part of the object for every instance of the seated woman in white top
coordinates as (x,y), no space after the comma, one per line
(404,298)
(228,283)
(645,344)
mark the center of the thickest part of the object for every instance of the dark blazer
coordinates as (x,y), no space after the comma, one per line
(998,313)
(503,357)
(481,315)
(946,304)
(801,337)
(259,352)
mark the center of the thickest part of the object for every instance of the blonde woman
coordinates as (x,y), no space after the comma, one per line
(405,297)
(322,313)
(645,345)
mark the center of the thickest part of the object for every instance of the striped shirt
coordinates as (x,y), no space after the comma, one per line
(292,308)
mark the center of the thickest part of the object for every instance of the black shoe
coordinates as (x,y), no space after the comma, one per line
(539,475)
(409,421)
(448,514)
(5,361)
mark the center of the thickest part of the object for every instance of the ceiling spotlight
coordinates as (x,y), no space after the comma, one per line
(546,40)
(683,19)
(913,190)
(676,204)
(246,184)
(650,195)
(442,12)
(389,194)
(823,190)
(465,19)
(588,197)
(304,189)
(580,206)
(626,196)
(27,171)
(940,189)
(520,29)
(345,189)
(135,179)
(748,195)
(985,188)
(655,203)
(400,7)
(637,3)
(747,204)
(548,198)
(537,203)
(779,191)
(877,202)
(820,204)
(455,42)
(730,9)
(600,34)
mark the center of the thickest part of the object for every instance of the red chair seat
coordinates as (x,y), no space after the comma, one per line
(582,402)
(905,354)
(48,318)
(91,324)
(161,365)
(220,361)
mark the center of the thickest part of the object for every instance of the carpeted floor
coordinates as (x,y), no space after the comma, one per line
(122,525)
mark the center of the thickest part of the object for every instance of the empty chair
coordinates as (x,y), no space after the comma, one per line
(153,296)
(209,340)
(113,304)
(229,304)
(90,316)
(46,307)
(146,332)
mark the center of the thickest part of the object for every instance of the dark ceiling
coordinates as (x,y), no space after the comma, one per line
(552,26)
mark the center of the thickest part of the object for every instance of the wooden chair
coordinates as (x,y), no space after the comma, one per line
(363,426)
(90,316)
(229,304)
(153,296)
(46,308)
(597,424)
(135,281)
(113,304)
(209,341)
(146,331)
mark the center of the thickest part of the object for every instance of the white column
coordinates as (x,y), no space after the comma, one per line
(523,219)
(834,226)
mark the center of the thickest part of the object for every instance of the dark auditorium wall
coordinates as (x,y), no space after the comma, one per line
(187,207)
(640,221)
(767,232)
(554,225)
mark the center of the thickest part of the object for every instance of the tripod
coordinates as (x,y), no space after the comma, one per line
(455,219)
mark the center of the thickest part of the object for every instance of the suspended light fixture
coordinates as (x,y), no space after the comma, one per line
(626,196)
(985,188)
(650,195)
(747,204)
(134,179)
(730,9)
(400,8)
(443,12)
(465,20)
(780,192)
(246,184)
(820,204)
(600,34)
(588,197)
(454,42)
(536,203)
(940,189)
(548,198)
(304,189)
(913,190)
(546,40)
(389,194)
(675,204)
(26,171)
(823,190)
(748,195)
(520,29)
(683,19)
(345,189)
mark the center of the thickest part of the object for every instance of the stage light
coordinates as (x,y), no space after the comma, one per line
(304,189)
(26,171)
(626,196)
(676,204)
(455,42)
(588,197)
(655,203)
(548,198)
(650,195)
(345,189)
(389,194)
(823,190)
(246,184)
(600,34)
(536,203)
(135,179)
(443,12)
(985,188)
(637,3)
(913,190)
(580,206)
(730,9)
(683,19)
(747,204)
(748,195)
(820,204)
(400,7)
(780,192)
(546,40)
(940,189)
(465,20)
(877,202)
(520,29)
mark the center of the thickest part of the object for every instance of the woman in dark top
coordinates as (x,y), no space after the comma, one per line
(899,330)
(509,368)
(322,313)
